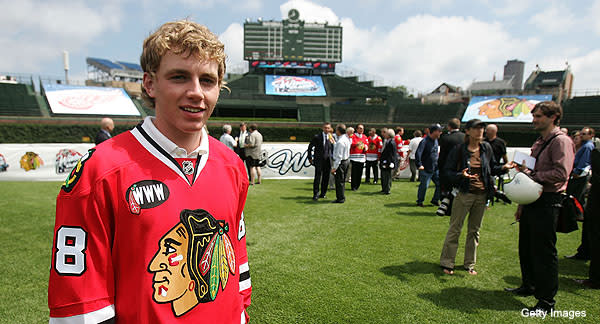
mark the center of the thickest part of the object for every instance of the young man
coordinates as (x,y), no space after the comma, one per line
(150,226)
(373,153)
(322,144)
(358,156)
(554,153)
(412,150)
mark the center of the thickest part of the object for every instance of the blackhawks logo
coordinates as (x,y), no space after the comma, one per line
(76,172)
(193,262)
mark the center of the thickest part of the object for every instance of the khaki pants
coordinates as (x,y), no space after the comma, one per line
(475,205)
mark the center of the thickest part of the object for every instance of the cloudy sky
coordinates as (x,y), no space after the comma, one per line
(415,43)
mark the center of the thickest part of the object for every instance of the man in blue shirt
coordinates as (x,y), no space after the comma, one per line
(426,160)
(577,183)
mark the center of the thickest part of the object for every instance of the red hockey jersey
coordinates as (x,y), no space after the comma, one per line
(374,149)
(137,239)
(399,143)
(358,148)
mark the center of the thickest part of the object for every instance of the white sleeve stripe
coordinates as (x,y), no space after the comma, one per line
(243,318)
(244,267)
(94,317)
(245,284)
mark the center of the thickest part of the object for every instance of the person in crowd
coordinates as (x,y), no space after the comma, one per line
(241,151)
(373,153)
(399,143)
(322,145)
(358,156)
(106,127)
(447,142)
(577,185)
(592,217)
(576,137)
(554,153)
(135,216)
(470,167)
(254,153)
(388,160)
(341,154)
(565,130)
(426,160)
(499,147)
(412,150)
(227,139)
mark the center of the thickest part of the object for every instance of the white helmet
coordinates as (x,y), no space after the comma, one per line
(522,189)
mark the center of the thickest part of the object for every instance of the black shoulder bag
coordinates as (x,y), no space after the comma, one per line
(570,208)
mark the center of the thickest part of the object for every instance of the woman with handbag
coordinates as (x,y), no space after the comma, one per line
(470,167)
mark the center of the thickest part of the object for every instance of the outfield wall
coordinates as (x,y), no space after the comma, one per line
(53,162)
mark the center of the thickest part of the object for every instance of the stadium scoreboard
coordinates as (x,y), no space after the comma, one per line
(292,39)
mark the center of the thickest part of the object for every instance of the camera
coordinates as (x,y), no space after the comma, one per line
(446,203)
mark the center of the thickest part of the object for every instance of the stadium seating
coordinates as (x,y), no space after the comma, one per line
(18,100)
(581,111)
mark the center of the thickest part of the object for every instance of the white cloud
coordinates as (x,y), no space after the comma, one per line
(310,11)
(233,38)
(36,32)
(556,18)
(424,50)
(580,66)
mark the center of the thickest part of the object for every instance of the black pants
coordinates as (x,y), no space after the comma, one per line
(322,171)
(372,165)
(413,169)
(340,180)
(356,177)
(592,217)
(242,155)
(537,246)
(576,187)
(386,180)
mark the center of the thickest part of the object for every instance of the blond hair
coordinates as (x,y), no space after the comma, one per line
(181,37)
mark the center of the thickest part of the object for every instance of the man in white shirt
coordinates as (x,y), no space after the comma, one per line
(341,153)
(412,149)
(227,139)
(241,139)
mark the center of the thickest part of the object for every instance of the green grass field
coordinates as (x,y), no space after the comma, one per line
(373,259)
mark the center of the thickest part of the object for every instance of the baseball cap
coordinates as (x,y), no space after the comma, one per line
(474,123)
(435,127)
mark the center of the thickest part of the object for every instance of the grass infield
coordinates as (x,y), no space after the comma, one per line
(373,259)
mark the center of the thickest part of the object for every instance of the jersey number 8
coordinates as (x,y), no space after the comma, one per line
(71,243)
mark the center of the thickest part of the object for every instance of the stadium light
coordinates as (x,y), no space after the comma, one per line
(66,65)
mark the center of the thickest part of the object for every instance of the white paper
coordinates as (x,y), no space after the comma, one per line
(521,158)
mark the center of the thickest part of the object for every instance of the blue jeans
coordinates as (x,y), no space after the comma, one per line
(424,178)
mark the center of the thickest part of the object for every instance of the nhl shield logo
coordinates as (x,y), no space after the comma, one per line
(188,167)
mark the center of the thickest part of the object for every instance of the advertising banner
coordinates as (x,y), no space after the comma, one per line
(78,100)
(53,162)
(285,85)
(503,109)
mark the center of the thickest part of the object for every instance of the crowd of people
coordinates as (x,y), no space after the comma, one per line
(248,146)
(467,170)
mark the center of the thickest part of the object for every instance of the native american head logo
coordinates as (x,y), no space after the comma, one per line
(506,107)
(194,259)
(31,161)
